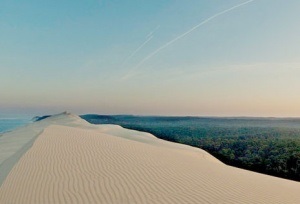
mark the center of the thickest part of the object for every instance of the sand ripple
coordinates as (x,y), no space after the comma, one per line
(76,165)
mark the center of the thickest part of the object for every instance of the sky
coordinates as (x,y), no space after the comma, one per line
(158,57)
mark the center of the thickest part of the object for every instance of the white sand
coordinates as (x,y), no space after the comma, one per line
(72,161)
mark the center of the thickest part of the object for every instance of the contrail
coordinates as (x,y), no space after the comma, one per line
(184,34)
(148,38)
(152,32)
(138,49)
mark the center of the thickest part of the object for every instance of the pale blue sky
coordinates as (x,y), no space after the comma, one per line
(91,57)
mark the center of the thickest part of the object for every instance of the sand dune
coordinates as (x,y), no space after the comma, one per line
(72,161)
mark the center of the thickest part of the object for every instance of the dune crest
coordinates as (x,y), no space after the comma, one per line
(72,161)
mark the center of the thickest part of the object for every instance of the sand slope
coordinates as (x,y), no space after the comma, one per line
(72,161)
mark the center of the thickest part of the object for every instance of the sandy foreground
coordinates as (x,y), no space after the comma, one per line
(64,159)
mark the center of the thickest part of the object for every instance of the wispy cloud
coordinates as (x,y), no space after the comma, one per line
(134,69)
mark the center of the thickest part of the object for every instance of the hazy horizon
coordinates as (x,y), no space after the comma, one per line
(234,58)
(28,115)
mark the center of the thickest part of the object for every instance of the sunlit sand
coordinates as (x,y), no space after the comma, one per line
(68,160)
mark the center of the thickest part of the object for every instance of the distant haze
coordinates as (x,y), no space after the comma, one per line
(96,57)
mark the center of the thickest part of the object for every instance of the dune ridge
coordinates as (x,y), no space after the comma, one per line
(72,161)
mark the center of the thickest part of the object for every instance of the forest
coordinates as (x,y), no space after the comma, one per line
(265,145)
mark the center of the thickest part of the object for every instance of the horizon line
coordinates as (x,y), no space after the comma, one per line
(195,116)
